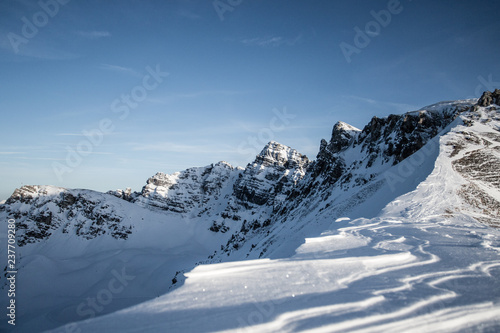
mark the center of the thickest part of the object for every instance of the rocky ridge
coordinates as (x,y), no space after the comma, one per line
(250,199)
(218,213)
(41,210)
(476,157)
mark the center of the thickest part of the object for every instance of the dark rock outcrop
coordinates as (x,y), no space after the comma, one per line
(274,184)
(328,161)
(187,190)
(40,211)
(488,98)
(276,170)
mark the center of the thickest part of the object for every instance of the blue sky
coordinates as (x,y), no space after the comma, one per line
(166,85)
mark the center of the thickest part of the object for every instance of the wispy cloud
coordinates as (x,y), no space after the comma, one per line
(69,134)
(186,134)
(35,49)
(93,34)
(399,107)
(195,94)
(271,41)
(255,127)
(207,93)
(120,69)
(181,148)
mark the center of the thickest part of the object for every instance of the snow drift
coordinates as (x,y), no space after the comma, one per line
(390,228)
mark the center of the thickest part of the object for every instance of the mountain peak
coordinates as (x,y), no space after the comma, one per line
(401,172)
(489,98)
(277,153)
(341,126)
(273,146)
(342,135)
(273,173)
(28,192)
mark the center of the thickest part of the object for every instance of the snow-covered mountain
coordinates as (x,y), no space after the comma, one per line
(391,227)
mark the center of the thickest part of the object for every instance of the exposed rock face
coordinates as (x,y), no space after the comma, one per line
(276,182)
(275,170)
(396,137)
(184,191)
(124,194)
(328,161)
(342,136)
(40,211)
(476,157)
(273,173)
(488,98)
(266,208)
(354,157)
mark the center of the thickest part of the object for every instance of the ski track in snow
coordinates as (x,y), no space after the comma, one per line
(415,262)
(379,275)
(410,269)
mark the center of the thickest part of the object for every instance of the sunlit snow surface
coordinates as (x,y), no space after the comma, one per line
(422,265)
(372,275)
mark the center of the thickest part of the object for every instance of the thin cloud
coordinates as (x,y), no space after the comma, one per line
(401,107)
(186,134)
(271,41)
(93,34)
(267,41)
(179,148)
(208,93)
(35,49)
(120,69)
(81,134)
(69,134)
(196,94)
(41,159)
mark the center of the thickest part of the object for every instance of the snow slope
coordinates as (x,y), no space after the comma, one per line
(388,229)
(423,263)
(57,276)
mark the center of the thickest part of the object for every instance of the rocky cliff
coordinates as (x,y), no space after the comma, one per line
(219,212)
(277,182)
(41,210)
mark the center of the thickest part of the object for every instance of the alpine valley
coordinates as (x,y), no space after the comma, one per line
(390,228)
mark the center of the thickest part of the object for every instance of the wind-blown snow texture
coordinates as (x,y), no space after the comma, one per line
(390,228)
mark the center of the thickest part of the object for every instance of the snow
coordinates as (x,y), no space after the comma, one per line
(53,276)
(447,105)
(347,127)
(407,258)
(403,253)
(373,275)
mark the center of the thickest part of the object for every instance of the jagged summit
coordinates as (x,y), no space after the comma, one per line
(44,210)
(342,135)
(188,190)
(275,153)
(340,125)
(272,174)
(29,192)
(488,98)
(395,191)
